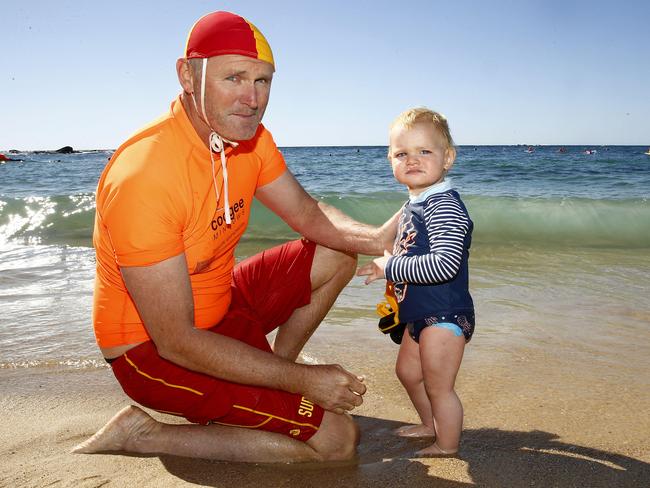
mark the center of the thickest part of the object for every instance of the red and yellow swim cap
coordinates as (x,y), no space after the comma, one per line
(219,33)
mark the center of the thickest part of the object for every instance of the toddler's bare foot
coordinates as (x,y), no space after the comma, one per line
(435,451)
(120,433)
(418,430)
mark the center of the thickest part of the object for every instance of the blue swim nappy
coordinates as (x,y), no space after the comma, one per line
(456,323)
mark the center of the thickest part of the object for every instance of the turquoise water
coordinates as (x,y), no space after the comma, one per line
(541,197)
(561,243)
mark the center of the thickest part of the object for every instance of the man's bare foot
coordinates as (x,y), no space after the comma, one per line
(435,451)
(418,430)
(120,433)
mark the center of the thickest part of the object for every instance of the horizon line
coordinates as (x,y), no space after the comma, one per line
(14,151)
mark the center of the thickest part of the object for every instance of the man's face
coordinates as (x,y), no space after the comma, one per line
(237,90)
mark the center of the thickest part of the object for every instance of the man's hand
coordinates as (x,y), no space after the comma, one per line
(333,388)
(374,270)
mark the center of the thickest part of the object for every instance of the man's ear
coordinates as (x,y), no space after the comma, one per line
(184,72)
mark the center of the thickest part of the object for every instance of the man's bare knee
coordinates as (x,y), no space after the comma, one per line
(337,439)
(329,264)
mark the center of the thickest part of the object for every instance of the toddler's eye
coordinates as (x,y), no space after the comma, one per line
(425,151)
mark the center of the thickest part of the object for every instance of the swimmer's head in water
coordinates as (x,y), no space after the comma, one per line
(219,33)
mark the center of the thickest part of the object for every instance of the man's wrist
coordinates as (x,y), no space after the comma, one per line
(295,380)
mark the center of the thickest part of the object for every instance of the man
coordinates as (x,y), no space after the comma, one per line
(185,333)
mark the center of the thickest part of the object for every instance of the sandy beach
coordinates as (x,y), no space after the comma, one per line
(532,418)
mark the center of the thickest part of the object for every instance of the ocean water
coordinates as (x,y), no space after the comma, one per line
(561,248)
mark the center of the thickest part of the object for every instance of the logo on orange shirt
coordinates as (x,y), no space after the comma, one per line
(221,219)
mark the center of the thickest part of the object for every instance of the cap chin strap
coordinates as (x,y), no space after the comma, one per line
(216,144)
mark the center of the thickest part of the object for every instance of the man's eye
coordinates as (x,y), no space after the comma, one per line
(233,78)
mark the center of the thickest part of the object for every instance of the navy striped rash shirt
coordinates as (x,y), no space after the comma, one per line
(447,224)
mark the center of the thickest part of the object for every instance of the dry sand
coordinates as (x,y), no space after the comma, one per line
(531,419)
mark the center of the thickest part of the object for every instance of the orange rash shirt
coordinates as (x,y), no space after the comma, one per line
(155,200)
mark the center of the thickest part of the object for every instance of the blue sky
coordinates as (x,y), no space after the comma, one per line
(87,74)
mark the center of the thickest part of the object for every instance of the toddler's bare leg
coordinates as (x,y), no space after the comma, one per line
(409,372)
(441,353)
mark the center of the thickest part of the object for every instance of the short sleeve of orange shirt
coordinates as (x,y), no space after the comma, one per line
(155,200)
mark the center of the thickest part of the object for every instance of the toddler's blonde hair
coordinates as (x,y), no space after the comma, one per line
(412,116)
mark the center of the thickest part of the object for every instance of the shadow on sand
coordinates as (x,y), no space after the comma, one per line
(492,458)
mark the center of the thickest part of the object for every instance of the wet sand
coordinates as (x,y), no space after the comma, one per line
(533,417)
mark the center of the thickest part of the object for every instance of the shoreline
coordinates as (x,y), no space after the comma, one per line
(528,422)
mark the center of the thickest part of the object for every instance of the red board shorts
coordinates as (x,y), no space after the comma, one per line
(266,288)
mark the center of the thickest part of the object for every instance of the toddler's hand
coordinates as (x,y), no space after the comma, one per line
(374,270)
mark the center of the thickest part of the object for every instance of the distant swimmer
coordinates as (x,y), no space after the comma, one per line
(530,149)
(562,150)
(647,152)
(589,151)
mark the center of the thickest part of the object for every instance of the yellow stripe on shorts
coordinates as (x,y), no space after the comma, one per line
(180,387)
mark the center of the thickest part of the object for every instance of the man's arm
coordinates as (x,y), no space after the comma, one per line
(322,223)
(163,296)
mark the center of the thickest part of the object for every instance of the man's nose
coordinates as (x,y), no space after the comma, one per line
(250,95)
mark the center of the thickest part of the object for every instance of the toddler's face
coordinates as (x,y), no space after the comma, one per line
(419,156)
